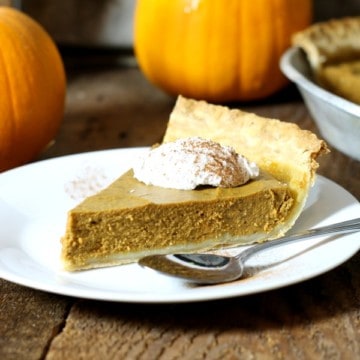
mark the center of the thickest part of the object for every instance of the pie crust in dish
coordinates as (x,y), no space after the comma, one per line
(129,220)
(333,51)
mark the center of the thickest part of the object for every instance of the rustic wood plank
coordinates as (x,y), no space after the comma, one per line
(111,108)
(29,319)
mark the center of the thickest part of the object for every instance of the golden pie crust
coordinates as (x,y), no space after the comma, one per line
(333,51)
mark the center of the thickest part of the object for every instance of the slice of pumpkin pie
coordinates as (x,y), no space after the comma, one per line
(221,178)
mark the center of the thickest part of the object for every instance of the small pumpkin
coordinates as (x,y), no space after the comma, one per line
(217,50)
(32,88)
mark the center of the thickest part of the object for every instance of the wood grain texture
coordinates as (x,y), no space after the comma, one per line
(317,319)
(29,319)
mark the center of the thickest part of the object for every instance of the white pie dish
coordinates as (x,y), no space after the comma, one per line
(337,119)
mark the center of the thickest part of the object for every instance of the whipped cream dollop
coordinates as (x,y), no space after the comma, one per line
(190,162)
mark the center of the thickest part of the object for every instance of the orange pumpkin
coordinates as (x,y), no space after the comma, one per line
(217,50)
(32,88)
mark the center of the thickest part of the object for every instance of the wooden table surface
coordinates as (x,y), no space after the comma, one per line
(114,106)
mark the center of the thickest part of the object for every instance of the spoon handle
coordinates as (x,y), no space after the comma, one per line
(338,228)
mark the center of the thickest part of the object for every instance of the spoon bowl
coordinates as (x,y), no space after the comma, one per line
(215,269)
(199,268)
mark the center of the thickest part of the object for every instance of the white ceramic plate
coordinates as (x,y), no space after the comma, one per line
(34,200)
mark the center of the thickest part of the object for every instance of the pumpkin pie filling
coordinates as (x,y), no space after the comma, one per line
(342,79)
(130,219)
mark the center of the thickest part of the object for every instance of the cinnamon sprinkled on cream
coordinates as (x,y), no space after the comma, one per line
(191,162)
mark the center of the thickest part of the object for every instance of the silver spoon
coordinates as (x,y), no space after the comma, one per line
(214,269)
